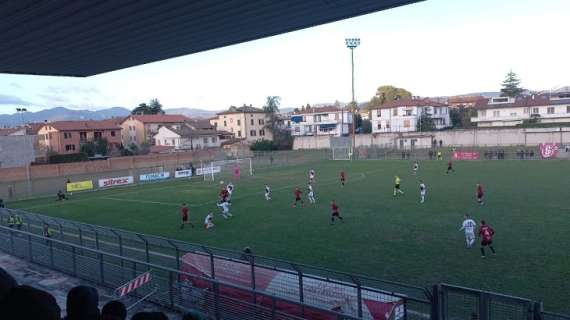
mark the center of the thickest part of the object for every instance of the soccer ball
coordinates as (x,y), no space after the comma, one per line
(222,182)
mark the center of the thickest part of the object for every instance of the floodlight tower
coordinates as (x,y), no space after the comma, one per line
(352,43)
(21,112)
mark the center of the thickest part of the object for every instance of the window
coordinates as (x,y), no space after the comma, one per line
(239,122)
(483,113)
(496,113)
(550,110)
(214,139)
(513,114)
(261,121)
(336,116)
(409,112)
(251,121)
(262,132)
(239,133)
(379,126)
(97,135)
(205,140)
(112,133)
(309,128)
(67,135)
(297,129)
(225,123)
(406,123)
(70,147)
(378,113)
(567,109)
(526,110)
(535,111)
(252,133)
(387,125)
(395,112)
(173,142)
(82,136)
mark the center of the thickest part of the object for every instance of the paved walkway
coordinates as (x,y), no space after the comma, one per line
(58,284)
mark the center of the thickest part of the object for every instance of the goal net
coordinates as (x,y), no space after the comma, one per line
(341,153)
(227,170)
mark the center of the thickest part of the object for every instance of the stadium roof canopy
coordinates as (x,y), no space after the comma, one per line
(83,38)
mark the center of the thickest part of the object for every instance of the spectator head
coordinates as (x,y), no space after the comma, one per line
(7,282)
(24,302)
(82,303)
(149,316)
(114,310)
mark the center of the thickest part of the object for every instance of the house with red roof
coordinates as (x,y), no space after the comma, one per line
(404,115)
(138,129)
(66,137)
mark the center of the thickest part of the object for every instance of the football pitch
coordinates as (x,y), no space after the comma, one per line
(392,238)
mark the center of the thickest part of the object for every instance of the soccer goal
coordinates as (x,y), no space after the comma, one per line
(231,169)
(341,153)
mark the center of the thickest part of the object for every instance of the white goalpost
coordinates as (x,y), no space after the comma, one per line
(341,153)
(211,170)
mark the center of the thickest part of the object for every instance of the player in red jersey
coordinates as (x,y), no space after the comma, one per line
(480,193)
(298,194)
(450,167)
(185,211)
(342,178)
(224,194)
(486,233)
(335,212)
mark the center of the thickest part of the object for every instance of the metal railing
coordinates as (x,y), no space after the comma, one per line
(296,281)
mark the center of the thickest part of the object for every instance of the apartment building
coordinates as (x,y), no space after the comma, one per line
(187,138)
(404,115)
(66,137)
(138,129)
(509,112)
(245,123)
(322,121)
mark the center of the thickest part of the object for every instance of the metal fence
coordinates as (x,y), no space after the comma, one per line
(297,282)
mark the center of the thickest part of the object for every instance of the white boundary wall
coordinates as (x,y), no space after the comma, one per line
(473,137)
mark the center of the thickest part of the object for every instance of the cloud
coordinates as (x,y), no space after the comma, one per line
(13,100)
(16,85)
(53,100)
(73,89)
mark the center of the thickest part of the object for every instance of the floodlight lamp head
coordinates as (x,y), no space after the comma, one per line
(352,43)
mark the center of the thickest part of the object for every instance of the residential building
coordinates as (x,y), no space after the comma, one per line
(246,123)
(322,121)
(66,137)
(469,101)
(404,115)
(187,137)
(138,129)
(508,112)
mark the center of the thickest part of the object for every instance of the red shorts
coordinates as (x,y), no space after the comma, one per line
(485,243)
(335,214)
(184,217)
(480,196)
(297,199)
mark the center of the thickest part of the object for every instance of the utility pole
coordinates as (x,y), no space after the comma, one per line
(352,43)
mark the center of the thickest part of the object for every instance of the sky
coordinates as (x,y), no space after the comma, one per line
(432,48)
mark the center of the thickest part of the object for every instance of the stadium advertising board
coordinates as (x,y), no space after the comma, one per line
(548,150)
(182,174)
(466,155)
(285,284)
(118,181)
(80,186)
(208,170)
(154,176)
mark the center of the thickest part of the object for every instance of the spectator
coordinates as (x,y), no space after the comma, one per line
(247,254)
(440,143)
(7,282)
(24,302)
(2,205)
(531,154)
(82,304)
(149,316)
(430,153)
(114,310)
(567,148)
(271,158)
(61,196)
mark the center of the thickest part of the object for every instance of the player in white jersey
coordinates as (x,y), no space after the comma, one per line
(267,192)
(225,209)
(230,188)
(469,226)
(209,221)
(311,193)
(312,175)
(423,191)
(415,168)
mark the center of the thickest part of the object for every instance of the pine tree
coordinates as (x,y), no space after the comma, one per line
(511,86)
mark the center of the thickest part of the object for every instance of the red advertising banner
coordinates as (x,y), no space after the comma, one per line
(548,150)
(466,155)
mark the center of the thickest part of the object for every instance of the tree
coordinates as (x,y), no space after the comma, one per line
(511,86)
(263,145)
(366,126)
(386,94)
(272,104)
(88,148)
(154,107)
(101,147)
(461,117)
(425,123)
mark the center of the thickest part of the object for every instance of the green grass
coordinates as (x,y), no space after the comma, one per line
(384,237)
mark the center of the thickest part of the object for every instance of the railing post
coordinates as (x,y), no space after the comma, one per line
(171,289)
(74,261)
(30,257)
(436,303)
(272,307)
(537,312)
(51,253)
(252,265)
(216,300)
(101,269)
(483,306)
(12,247)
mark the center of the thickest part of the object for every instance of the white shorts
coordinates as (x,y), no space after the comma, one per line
(470,235)
(422,193)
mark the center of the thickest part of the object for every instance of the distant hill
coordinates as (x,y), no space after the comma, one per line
(59,114)
(192,112)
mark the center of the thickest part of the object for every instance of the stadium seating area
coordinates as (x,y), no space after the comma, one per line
(26,302)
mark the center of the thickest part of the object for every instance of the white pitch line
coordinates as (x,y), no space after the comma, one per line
(141,201)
